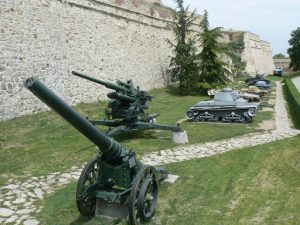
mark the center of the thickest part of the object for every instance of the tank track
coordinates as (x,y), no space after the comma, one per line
(229,116)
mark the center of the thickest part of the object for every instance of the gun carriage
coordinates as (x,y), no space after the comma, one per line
(121,185)
(126,109)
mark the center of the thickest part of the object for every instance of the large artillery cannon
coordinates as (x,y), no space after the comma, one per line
(125,111)
(121,185)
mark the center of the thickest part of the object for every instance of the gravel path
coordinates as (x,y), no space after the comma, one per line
(296,81)
(19,198)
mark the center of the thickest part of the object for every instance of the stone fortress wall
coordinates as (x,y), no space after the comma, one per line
(257,54)
(107,39)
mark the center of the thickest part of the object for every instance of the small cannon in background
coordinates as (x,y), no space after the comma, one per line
(126,110)
(122,186)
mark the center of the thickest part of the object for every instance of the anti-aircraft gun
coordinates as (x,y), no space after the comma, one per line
(121,185)
(125,111)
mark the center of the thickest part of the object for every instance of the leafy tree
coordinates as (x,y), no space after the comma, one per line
(212,68)
(294,50)
(280,55)
(184,65)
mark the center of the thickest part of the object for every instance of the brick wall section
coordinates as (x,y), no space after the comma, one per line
(108,39)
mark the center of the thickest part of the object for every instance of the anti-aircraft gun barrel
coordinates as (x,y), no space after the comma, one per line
(106,84)
(116,95)
(111,149)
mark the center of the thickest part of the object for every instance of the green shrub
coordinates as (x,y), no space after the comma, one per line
(293,99)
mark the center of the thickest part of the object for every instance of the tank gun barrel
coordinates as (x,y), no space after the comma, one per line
(111,149)
(106,84)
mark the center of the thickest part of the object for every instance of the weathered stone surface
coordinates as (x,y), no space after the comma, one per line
(24,211)
(31,222)
(39,193)
(180,137)
(125,45)
(11,219)
(19,201)
(171,178)
(4,212)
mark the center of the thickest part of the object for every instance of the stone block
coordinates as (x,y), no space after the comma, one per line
(180,137)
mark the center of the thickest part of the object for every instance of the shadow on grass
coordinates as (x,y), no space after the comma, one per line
(99,220)
(173,90)
(80,220)
(142,134)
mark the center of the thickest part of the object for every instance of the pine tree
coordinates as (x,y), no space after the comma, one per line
(212,69)
(184,65)
(294,50)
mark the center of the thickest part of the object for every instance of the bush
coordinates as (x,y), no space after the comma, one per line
(293,100)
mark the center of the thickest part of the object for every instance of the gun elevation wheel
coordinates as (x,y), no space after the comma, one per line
(90,175)
(143,196)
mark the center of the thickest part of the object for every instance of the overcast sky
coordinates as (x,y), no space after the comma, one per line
(272,20)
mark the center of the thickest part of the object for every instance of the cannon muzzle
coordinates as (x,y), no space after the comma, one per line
(104,83)
(112,150)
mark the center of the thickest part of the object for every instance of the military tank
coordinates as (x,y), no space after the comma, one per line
(259,81)
(251,97)
(255,90)
(226,106)
(254,79)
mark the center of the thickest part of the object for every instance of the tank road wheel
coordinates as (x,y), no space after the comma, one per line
(90,175)
(251,112)
(224,120)
(242,119)
(143,196)
(190,115)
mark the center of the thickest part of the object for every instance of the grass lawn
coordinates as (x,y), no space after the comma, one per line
(256,185)
(43,143)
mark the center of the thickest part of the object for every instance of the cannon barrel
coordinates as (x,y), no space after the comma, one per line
(116,95)
(124,84)
(106,84)
(111,149)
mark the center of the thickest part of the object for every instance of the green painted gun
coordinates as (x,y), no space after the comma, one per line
(120,185)
(126,109)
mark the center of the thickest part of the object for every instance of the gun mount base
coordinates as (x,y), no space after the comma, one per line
(180,137)
(113,210)
(118,127)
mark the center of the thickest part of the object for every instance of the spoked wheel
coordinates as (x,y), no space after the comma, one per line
(143,196)
(90,175)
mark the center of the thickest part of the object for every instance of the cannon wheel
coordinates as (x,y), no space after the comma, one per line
(143,196)
(89,175)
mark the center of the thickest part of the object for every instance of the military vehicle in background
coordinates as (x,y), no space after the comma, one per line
(226,106)
(251,97)
(259,81)
(255,90)
(278,71)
